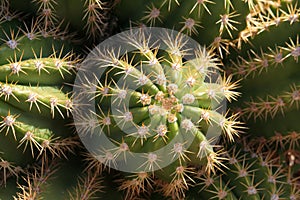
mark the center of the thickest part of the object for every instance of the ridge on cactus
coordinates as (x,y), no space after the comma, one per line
(35,102)
(153,100)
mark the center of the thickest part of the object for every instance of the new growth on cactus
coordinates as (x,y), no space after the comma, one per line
(158,107)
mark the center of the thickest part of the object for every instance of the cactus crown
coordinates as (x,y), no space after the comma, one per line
(157,104)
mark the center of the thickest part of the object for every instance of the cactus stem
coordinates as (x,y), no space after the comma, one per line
(272,105)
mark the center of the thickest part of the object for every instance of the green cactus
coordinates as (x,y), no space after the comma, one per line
(35,103)
(250,31)
(250,175)
(150,101)
(166,97)
(222,25)
(271,90)
(246,30)
(270,100)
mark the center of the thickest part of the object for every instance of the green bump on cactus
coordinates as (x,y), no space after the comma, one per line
(147,99)
(39,70)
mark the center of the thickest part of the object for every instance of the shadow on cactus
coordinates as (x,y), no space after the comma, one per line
(88,20)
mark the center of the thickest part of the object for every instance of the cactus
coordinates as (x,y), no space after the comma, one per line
(64,179)
(249,27)
(59,179)
(243,34)
(148,98)
(35,104)
(89,19)
(271,89)
(270,100)
(250,175)
(153,100)
(225,26)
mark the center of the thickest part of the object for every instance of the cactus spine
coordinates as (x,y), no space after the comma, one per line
(88,19)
